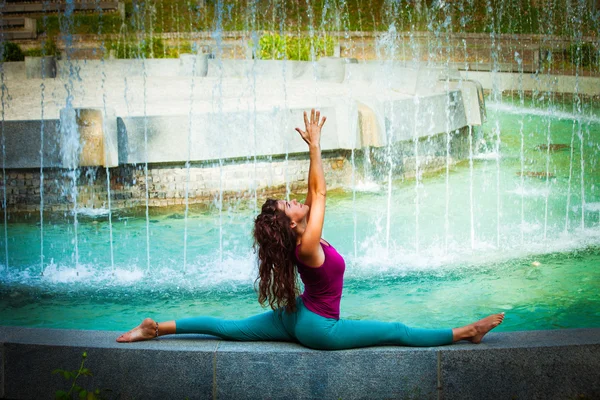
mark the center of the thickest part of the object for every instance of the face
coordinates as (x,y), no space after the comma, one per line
(295,210)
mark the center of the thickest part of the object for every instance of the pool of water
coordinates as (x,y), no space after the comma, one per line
(478,240)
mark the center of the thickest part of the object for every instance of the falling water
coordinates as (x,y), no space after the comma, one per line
(497,96)
(4,204)
(217,34)
(447,192)
(105,129)
(146,180)
(392,39)
(42,126)
(464,20)
(187,162)
(69,127)
(522,148)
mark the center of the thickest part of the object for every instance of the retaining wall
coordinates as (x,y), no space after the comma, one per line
(234,179)
(558,364)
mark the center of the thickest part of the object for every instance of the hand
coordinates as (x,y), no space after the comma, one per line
(312,135)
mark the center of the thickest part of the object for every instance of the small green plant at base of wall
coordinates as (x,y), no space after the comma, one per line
(75,389)
(272,46)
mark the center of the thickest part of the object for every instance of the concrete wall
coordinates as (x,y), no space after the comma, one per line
(205,181)
(511,81)
(558,364)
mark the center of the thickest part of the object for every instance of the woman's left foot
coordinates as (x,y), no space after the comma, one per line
(144,331)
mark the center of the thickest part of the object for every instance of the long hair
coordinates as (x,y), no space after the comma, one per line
(275,241)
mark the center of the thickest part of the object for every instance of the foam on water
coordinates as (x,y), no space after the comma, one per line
(91,212)
(487,156)
(367,186)
(550,112)
(530,191)
(432,259)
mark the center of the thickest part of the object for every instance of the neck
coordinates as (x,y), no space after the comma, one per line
(300,228)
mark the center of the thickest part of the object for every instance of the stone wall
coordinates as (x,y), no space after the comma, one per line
(234,179)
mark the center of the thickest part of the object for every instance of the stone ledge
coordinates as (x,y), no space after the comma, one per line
(557,364)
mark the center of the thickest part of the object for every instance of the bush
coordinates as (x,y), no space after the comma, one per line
(275,47)
(50,49)
(10,51)
(583,53)
(150,47)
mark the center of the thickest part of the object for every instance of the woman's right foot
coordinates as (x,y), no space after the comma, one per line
(483,326)
(144,331)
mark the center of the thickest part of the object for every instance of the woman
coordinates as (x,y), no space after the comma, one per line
(288,237)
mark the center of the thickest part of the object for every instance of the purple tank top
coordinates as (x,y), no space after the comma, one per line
(323,285)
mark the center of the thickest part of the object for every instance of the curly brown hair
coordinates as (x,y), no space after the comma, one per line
(275,241)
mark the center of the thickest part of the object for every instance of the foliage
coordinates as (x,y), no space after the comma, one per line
(323,16)
(10,51)
(75,388)
(272,46)
(583,54)
(148,47)
(50,49)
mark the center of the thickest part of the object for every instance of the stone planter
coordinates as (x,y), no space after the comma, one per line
(187,67)
(40,67)
(331,69)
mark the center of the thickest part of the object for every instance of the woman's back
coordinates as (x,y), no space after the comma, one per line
(323,285)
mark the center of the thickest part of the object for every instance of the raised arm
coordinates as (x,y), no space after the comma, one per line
(310,251)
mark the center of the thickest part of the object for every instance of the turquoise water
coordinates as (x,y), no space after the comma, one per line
(516,246)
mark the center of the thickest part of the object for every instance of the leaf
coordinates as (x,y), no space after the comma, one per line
(86,372)
(83,394)
(60,394)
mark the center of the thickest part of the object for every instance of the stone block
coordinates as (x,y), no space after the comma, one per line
(331,69)
(130,370)
(289,371)
(532,365)
(193,65)
(40,67)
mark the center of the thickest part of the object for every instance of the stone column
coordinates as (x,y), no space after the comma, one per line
(89,137)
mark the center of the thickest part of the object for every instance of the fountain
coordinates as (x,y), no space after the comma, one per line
(460,150)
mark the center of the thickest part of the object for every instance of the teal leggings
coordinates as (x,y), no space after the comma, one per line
(315,331)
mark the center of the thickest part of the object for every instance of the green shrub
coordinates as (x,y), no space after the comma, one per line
(583,53)
(150,47)
(37,52)
(10,51)
(276,47)
(50,49)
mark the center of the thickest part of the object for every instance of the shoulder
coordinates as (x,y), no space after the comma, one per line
(309,257)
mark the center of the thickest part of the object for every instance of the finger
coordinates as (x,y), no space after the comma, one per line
(322,122)
(305,119)
(300,131)
(312,116)
(318,117)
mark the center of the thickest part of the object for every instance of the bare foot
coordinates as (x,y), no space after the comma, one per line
(483,326)
(144,331)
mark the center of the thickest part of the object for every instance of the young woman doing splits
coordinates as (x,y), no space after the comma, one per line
(287,235)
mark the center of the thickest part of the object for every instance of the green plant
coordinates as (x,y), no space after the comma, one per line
(273,46)
(75,388)
(583,53)
(36,52)
(50,47)
(149,47)
(10,51)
